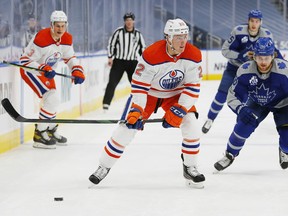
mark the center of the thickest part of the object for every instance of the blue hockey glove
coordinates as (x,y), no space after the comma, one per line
(48,71)
(243,56)
(247,116)
(77,72)
(174,116)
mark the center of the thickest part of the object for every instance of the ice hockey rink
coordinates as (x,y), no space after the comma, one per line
(148,179)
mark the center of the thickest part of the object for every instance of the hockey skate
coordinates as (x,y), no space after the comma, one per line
(283,159)
(99,174)
(225,162)
(42,140)
(193,177)
(60,140)
(207,125)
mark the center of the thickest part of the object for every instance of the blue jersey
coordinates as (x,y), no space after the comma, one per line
(240,42)
(267,90)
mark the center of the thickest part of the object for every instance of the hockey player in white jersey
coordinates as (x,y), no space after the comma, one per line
(44,51)
(167,76)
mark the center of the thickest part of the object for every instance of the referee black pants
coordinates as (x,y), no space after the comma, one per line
(117,70)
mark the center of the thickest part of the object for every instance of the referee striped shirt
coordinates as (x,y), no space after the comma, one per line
(126,45)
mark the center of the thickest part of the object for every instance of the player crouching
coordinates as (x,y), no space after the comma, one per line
(264,81)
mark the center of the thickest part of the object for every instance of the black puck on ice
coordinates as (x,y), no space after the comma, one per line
(58,198)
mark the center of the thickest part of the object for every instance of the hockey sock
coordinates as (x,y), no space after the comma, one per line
(112,152)
(190,150)
(283,138)
(217,105)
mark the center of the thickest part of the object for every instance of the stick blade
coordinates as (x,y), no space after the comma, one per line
(11,111)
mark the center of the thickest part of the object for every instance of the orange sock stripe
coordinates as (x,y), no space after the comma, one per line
(117,144)
(191,140)
(110,154)
(190,152)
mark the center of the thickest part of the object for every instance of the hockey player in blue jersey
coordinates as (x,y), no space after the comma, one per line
(264,82)
(237,49)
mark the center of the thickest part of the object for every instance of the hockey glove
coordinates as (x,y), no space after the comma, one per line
(247,116)
(243,56)
(174,116)
(48,71)
(134,118)
(77,72)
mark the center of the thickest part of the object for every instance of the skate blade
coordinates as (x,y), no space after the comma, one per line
(216,171)
(43,146)
(191,184)
(92,186)
(61,144)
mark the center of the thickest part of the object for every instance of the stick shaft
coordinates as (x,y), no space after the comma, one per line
(36,69)
(19,118)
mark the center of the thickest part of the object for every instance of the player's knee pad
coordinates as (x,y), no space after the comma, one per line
(123,135)
(283,138)
(190,127)
(50,101)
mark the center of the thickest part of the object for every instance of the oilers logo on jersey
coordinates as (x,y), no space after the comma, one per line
(171,79)
(53,59)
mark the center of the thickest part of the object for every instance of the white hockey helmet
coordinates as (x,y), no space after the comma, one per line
(175,27)
(58,16)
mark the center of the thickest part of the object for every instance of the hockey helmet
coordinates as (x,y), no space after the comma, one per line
(129,15)
(255,14)
(264,47)
(175,27)
(58,16)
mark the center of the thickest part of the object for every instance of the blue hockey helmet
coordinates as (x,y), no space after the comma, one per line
(264,47)
(255,14)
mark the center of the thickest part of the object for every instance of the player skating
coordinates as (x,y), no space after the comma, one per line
(264,81)
(44,51)
(168,76)
(237,49)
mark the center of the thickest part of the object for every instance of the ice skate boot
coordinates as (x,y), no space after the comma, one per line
(42,140)
(60,140)
(193,177)
(99,174)
(207,125)
(224,162)
(283,159)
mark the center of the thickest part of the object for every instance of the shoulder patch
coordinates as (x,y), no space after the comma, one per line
(66,39)
(192,53)
(156,53)
(43,38)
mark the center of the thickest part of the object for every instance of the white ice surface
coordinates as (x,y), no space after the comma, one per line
(147,180)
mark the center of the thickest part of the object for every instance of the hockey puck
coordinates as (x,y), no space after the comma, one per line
(58,198)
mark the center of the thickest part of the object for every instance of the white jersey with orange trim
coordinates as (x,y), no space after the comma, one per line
(160,75)
(43,49)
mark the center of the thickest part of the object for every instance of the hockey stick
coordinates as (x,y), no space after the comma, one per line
(17,117)
(35,69)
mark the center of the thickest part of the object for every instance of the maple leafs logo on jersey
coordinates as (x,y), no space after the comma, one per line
(282,65)
(171,79)
(262,95)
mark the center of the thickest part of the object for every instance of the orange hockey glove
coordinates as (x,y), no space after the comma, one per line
(134,120)
(77,72)
(174,116)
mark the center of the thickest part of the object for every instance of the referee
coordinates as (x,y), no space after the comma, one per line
(125,45)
